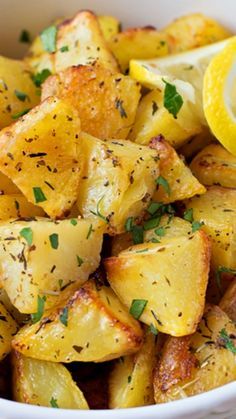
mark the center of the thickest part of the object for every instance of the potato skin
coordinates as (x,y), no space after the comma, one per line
(91,307)
(37,382)
(8,328)
(106,102)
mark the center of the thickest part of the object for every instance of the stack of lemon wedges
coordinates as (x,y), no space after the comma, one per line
(206,80)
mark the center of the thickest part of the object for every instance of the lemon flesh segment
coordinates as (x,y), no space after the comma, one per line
(219,96)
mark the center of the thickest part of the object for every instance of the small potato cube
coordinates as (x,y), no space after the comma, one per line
(214,165)
(217,210)
(17,206)
(40,257)
(110,26)
(228,301)
(83,37)
(193,31)
(153,119)
(45,384)
(106,102)
(118,180)
(180,180)
(39,153)
(179,375)
(139,43)
(93,324)
(8,329)
(17,90)
(130,383)
(162,275)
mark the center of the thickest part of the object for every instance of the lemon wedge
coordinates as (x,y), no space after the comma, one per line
(219,96)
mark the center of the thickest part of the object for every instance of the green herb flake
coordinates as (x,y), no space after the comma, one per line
(161,181)
(137,308)
(73,221)
(90,230)
(27,234)
(188,215)
(173,102)
(53,238)
(39,195)
(25,37)
(64,316)
(53,403)
(79,261)
(35,317)
(21,96)
(152,223)
(228,342)
(19,114)
(98,213)
(161,231)
(65,48)
(137,234)
(129,224)
(153,329)
(154,207)
(49,38)
(196,225)
(39,78)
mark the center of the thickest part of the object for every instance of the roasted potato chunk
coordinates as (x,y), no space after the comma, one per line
(179,375)
(196,143)
(228,301)
(110,26)
(130,383)
(214,165)
(92,307)
(17,90)
(7,187)
(181,183)
(115,186)
(216,209)
(139,43)
(17,206)
(45,384)
(149,272)
(83,37)
(40,257)
(39,153)
(8,329)
(193,31)
(38,59)
(106,102)
(153,119)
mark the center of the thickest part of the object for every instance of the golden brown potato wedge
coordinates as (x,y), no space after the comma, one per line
(193,31)
(214,165)
(20,318)
(161,275)
(7,187)
(106,102)
(217,209)
(130,383)
(8,329)
(181,183)
(110,26)
(92,326)
(40,154)
(17,90)
(118,180)
(153,119)
(228,301)
(39,258)
(45,384)
(139,43)
(213,347)
(17,206)
(83,37)
(196,143)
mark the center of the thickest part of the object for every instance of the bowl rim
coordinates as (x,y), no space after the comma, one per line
(207,400)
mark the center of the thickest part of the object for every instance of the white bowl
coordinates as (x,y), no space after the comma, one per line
(34,15)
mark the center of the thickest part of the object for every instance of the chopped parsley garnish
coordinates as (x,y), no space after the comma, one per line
(27,234)
(153,329)
(196,225)
(119,106)
(152,223)
(161,231)
(98,213)
(154,207)
(39,78)
(129,224)
(53,238)
(21,96)
(65,48)
(53,403)
(25,37)
(173,102)
(35,317)
(49,38)
(19,114)
(188,215)
(228,342)
(220,270)
(137,233)
(39,195)
(79,261)
(64,316)
(137,308)
(154,107)
(161,181)
(73,221)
